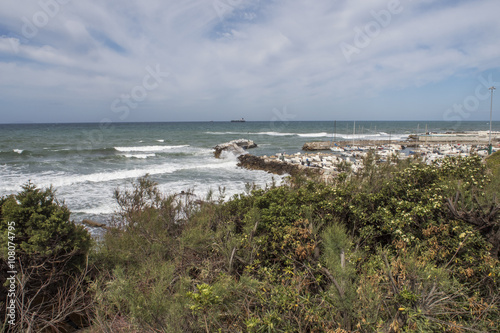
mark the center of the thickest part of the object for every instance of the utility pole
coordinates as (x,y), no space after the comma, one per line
(491,113)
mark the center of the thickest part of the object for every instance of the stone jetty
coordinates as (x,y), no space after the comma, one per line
(327,165)
(479,137)
(237,147)
(327,159)
(324,165)
(472,138)
(276,166)
(326,145)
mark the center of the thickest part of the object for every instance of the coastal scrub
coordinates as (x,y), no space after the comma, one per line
(399,247)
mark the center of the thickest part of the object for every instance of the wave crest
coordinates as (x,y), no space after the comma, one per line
(148,148)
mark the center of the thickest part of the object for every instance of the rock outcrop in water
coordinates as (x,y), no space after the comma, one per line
(237,147)
(275,166)
(94,224)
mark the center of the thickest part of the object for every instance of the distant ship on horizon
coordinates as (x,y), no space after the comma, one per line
(242,120)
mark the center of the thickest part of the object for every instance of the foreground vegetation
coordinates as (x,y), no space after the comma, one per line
(401,247)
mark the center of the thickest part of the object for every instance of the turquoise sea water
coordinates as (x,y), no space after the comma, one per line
(86,162)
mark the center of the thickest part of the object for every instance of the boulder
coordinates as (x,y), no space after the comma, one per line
(94,224)
(237,147)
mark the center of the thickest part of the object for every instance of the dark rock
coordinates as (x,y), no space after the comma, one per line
(275,166)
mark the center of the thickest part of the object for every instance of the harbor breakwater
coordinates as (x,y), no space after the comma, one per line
(326,145)
(276,166)
(270,164)
(343,157)
(471,138)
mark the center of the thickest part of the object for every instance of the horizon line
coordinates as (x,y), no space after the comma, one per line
(229,121)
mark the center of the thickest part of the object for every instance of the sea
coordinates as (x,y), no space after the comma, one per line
(85,163)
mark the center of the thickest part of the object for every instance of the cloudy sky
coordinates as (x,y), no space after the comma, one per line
(187,60)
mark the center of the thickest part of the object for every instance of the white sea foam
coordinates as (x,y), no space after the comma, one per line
(101,177)
(370,136)
(374,136)
(314,135)
(19,151)
(64,179)
(251,133)
(148,148)
(92,193)
(160,140)
(141,156)
(275,133)
(201,189)
(102,209)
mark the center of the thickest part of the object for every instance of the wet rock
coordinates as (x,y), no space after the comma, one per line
(237,147)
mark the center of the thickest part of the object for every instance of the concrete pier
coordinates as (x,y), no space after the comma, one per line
(476,137)
(480,137)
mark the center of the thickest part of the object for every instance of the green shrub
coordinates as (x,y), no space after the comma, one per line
(43,228)
(50,253)
(398,247)
(146,295)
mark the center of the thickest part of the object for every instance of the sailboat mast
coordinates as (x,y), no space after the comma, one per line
(426,133)
(334,135)
(353,132)
(335,130)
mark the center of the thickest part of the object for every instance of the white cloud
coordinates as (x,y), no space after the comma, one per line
(254,54)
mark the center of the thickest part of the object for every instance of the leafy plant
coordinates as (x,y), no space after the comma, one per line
(50,255)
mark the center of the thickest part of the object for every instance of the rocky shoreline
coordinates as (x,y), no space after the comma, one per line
(326,145)
(326,165)
(276,166)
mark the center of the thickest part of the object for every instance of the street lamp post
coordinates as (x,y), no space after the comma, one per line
(491,113)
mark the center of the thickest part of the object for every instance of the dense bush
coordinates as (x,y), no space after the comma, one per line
(399,247)
(42,224)
(50,253)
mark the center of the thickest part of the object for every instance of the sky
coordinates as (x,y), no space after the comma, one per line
(200,60)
